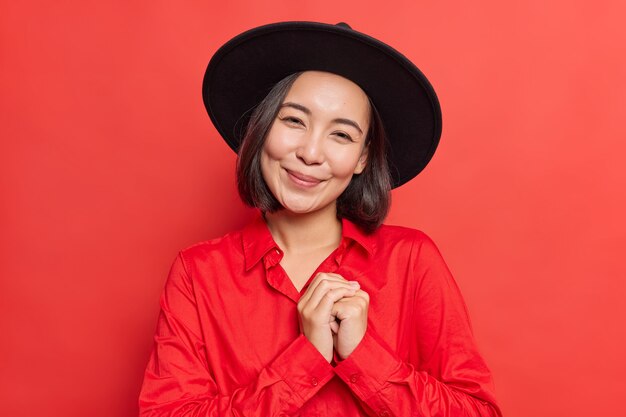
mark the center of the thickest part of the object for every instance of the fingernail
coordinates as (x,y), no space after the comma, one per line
(355,284)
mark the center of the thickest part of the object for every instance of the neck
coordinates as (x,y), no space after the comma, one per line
(297,233)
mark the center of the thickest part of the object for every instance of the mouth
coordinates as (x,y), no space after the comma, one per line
(302,180)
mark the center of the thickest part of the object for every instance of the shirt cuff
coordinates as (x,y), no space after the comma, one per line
(369,367)
(303,368)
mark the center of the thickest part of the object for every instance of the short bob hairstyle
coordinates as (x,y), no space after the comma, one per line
(367,198)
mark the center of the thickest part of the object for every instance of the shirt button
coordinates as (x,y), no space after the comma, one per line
(354,378)
(314,382)
(383,413)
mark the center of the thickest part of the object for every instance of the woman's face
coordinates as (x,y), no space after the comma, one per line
(317,142)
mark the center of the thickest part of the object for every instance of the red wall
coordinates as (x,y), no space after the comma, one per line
(109,166)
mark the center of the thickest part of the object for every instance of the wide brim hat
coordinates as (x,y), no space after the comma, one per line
(243,71)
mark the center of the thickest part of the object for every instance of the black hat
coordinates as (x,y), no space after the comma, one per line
(244,69)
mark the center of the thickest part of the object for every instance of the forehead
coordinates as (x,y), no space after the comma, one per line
(327,92)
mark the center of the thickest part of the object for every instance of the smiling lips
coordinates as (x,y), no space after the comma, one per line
(303,180)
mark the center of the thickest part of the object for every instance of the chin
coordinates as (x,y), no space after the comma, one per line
(300,207)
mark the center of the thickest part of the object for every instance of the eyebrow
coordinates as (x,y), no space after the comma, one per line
(306,111)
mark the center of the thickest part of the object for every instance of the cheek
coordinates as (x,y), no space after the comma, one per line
(276,144)
(268,168)
(344,164)
(271,157)
(271,152)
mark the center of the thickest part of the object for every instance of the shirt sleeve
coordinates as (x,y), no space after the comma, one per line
(451,379)
(178,382)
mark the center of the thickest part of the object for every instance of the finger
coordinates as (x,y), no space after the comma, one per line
(361,294)
(321,276)
(324,287)
(339,308)
(331,297)
(334,326)
(351,306)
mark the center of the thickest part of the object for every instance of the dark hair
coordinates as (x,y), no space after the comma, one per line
(367,198)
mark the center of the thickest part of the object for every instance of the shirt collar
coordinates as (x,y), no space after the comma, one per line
(355,233)
(258,241)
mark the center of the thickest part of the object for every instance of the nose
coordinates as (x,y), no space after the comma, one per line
(310,150)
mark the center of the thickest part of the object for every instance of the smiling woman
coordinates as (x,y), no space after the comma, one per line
(317,308)
(314,147)
(366,199)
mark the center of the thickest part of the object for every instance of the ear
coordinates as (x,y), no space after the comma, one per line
(360,166)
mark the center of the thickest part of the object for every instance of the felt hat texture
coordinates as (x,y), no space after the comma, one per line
(243,71)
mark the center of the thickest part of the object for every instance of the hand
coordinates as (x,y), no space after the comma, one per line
(316,305)
(351,313)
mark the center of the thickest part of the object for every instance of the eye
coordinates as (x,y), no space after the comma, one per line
(343,135)
(291,120)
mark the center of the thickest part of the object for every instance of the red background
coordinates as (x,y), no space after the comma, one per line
(110,165)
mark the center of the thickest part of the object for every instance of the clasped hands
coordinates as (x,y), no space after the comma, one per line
(333,314)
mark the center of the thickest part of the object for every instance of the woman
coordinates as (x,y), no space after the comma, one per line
(315,308)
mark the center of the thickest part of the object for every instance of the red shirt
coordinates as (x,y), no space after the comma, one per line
(228,340)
